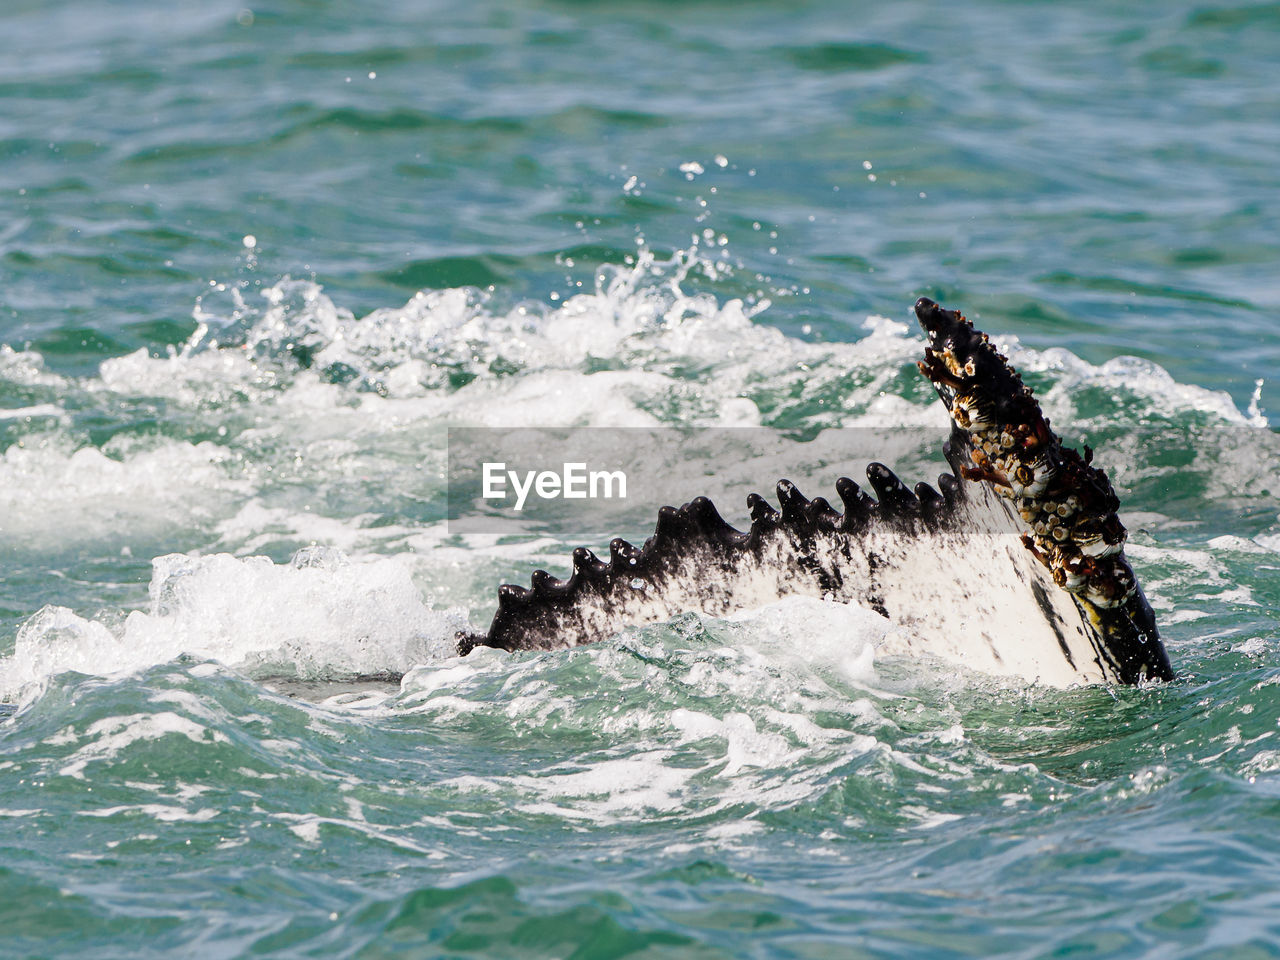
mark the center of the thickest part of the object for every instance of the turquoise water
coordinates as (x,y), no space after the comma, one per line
(256,262)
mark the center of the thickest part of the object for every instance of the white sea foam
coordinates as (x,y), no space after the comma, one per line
(51,491)
(27,368)
(750,737)
(317,616)
(1189,574)
(111,735)
(165,813)
(1270,541)
(822,631)
(1128,377)
(39,410)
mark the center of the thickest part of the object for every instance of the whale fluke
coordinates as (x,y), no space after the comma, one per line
(1013,564)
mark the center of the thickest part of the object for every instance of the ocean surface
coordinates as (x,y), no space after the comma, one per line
(255,263)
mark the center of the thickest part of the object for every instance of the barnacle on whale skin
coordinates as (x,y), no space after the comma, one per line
(973,413)
(1097,537)
(1110,585)
(1071,572)
(1031,436)
(1031,478)
(1067,503)
(938,371)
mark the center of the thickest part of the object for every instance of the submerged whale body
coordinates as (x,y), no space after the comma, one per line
(1014,564)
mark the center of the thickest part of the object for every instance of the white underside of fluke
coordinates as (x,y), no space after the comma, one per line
(979,598)
(971,594)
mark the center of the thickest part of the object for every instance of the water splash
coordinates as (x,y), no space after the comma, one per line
(321,615)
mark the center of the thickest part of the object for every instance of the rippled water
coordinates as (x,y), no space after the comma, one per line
(255,263)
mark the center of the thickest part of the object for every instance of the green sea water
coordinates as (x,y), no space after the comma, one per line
(255,261)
